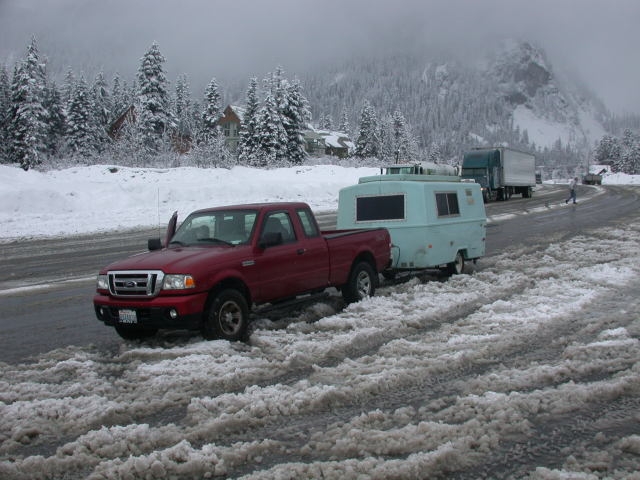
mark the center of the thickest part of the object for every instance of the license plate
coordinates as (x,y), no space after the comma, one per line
(127,316)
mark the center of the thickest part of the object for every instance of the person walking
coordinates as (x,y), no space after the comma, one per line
(572,190)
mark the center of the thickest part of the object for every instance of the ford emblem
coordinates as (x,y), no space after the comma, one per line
(130,284)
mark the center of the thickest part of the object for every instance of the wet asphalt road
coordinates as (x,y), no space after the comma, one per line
(47,284)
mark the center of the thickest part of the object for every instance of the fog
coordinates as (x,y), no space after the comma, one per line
(596,39)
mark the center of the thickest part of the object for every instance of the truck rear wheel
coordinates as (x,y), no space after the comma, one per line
(362,283)
(227,317)
(135,333)
(457,266)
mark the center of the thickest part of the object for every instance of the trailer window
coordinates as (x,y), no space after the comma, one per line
(447,204)
(382,207)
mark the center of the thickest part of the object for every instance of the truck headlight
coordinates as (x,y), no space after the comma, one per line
(102,282)
(178,282)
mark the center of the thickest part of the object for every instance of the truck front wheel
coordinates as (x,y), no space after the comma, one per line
(227,317)
(361,284)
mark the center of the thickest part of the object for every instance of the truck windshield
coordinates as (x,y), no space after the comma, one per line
(232,227)
(474,172)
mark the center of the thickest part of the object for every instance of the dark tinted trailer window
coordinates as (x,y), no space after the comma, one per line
(447,204)
(384,207)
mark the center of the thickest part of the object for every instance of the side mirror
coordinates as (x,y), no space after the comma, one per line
(154,244)
(270,239)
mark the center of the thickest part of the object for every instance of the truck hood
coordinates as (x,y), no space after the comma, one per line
(187,260)
(480,179)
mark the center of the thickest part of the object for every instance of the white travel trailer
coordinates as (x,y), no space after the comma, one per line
(435,221)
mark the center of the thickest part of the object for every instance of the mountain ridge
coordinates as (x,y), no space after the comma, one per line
(512,95)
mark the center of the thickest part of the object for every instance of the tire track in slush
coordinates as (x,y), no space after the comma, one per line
(546,345)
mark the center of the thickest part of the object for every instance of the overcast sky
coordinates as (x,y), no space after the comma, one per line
(598,39)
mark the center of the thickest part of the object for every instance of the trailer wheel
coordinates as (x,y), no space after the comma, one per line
(227,317)
(457,266)
(362,283)
(135,333)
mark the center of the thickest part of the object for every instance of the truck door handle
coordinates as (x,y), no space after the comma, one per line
(301,251)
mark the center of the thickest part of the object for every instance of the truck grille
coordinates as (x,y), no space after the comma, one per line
(134,283)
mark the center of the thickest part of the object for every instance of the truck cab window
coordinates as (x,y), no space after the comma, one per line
(308,224)
(279,222)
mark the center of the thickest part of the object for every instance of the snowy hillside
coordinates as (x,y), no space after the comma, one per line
(457,104)
(544,105)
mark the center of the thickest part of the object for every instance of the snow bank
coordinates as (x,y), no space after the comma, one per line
(101,198)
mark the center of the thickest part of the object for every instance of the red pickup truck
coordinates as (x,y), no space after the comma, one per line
(221,261)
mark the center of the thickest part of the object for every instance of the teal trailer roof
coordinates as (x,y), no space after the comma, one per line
(409,178)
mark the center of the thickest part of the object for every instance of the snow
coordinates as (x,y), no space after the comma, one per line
(101,198)
(371,374)
(543,132)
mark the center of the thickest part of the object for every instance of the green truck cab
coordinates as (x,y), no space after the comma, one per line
(435,221)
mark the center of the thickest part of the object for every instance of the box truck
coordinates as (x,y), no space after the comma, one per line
(500,171)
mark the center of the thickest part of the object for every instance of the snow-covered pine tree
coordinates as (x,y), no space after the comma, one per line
(296,112)
(101,100)
(68,86)
(368,142)
(102,106)
(55,118)
(344,125)
(211,149)
(405,141)
(117,96)
(211,113)
(182,106)
(324,122)
(634,156)
(387,150)
(278,85)
(435,153)
(153,115)
(5,110)
(28,128)
(272,136)
(629,160)
(248,147)
(122,96)
(608,150)
(82,130)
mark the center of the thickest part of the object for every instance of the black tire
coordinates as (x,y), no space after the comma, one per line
(457,266)
(135,333)
(362,283)
(227,317)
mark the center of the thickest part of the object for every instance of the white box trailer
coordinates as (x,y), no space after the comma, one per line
(519,168)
